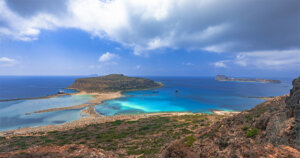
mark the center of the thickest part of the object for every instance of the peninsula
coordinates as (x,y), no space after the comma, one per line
(225,78)
(104,88)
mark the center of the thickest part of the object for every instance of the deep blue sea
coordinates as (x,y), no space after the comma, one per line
(195,94)
(12,87)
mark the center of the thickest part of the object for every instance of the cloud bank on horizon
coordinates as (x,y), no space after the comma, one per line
(252,30)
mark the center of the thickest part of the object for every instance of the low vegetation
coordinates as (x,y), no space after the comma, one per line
(141,137)
(255,113)
(252,133)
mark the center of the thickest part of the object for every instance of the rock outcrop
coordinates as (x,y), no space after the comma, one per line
(293,108)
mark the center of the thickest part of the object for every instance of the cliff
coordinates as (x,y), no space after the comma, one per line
(225,78)
(293,109)
(113,82)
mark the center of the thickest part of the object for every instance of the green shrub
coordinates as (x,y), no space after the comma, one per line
(131,122)
(256,113)
(252,133)
(189,141)
(116,123)
(53,132)
(245,128)
(186,131)
(144,128)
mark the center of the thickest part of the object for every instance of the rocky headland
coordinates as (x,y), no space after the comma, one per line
(225,78)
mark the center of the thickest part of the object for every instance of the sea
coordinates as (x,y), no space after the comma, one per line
(179,94)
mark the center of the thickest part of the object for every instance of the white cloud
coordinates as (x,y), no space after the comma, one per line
(107,57)
(219,48)
(212,25)
(271,59)
(276,59)
(221,64)
(187,63)
(138,67)
(25,29)
(7,62)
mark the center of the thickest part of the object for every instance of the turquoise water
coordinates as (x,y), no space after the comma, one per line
(13,113)
(196,94)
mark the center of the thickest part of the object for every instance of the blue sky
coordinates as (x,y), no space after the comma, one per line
(150,38)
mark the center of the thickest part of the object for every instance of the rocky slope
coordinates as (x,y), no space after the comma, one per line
(270,129)
(293,110)
(113,82)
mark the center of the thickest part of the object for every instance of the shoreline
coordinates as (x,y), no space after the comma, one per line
(266,98)
(44,97)
(98,99)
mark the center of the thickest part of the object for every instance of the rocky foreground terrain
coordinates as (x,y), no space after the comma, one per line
(271,129)
(113,83)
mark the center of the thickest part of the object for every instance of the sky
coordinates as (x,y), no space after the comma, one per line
(251,38)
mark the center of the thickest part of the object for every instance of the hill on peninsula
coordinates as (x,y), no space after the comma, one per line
(113,82)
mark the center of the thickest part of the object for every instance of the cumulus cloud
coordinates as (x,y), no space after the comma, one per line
(211,25)
(31,7)
(187,63)
(270,59)
(17,27)
(220,64)
(107,57)
(7,62)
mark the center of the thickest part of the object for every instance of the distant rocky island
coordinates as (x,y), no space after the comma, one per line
(225,78)
(112,83)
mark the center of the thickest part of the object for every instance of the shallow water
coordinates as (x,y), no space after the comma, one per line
(14,114)
(196,94)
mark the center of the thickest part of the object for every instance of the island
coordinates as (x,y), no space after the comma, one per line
(113,83)
(225,78)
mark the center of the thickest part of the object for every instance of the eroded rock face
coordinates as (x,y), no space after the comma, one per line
(293,108)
